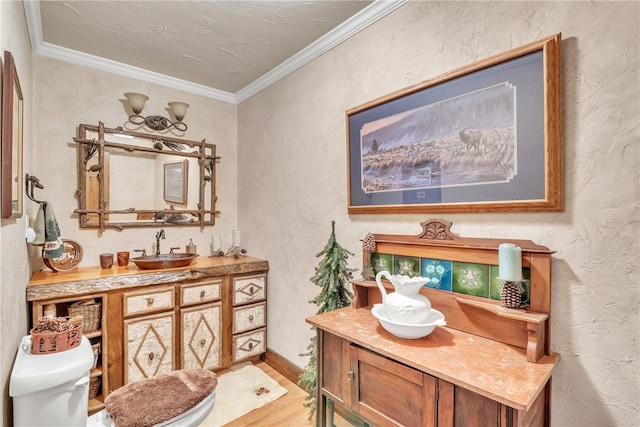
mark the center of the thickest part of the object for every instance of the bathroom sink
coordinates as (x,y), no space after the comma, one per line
(158,262)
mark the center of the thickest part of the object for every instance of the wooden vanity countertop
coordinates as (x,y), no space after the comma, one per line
(86,280)
(490,368)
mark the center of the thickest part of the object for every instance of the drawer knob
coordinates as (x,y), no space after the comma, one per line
(149,301)
(202,294)
(251,290)
(251,318)
(202,342)
(250,345)
(151,356)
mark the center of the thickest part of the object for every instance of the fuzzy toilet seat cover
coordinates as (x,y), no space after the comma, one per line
(158,399)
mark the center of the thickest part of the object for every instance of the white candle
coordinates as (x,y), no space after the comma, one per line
(510,259)
(236,238)
(217,243)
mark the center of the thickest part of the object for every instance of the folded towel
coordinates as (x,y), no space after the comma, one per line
(48,232)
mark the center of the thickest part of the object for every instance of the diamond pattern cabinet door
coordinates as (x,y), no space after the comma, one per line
(201,337)
(149,344)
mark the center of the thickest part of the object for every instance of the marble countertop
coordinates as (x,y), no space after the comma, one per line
(490,368)
(50,284)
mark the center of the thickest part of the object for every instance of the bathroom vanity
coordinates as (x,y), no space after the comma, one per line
(490,366)
(210,314)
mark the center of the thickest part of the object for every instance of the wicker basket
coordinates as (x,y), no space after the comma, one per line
(94,387)
(48,342)
(96,352)
(90,310)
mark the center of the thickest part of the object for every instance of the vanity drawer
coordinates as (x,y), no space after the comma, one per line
(249,289)
(200,293)
(249,317)
(249,344)
(147,301)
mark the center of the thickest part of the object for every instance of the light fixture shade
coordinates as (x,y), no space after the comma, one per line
(179,109)
(136,101)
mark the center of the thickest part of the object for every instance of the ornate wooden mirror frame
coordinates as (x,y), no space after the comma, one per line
(101,182)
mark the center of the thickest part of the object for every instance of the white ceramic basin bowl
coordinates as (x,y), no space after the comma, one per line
(408,330)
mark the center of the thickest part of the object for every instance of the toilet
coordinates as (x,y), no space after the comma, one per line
(57,384)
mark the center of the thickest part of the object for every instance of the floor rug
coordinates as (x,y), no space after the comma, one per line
(241,390)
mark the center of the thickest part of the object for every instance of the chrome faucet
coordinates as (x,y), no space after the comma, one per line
(159,235)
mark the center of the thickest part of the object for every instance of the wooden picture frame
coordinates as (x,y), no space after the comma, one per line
(176,176)
(12,135)
(486,137)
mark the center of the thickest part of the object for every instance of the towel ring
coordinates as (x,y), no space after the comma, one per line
(33,181)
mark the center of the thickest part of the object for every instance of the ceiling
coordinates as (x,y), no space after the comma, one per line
(227,50)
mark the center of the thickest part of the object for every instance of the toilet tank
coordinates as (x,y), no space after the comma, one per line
(51,389)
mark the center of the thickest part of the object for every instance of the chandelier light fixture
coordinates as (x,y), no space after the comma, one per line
(178,109)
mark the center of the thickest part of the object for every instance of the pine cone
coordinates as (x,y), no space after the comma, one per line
(510,295)
(369,243)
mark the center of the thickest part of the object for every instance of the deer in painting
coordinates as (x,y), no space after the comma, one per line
(471,138)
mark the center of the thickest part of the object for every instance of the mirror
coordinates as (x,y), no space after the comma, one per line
(133,179)
(12,111)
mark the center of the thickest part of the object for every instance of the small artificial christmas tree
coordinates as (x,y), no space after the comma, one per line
(332,275)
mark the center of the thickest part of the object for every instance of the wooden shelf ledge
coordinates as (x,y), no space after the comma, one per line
(535,324)
(509,313)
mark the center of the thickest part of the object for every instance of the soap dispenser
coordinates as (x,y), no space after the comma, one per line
(191,248)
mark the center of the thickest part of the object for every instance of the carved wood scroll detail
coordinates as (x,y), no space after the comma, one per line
(436,229)
(437,233)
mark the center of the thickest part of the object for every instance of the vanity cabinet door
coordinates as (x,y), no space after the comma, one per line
(149,343)
(334,368)
(201,337)
(389,393)
(459,407)
(378,390)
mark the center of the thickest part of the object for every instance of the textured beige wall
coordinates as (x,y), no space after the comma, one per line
(14,263)
(292,178)
(91,96)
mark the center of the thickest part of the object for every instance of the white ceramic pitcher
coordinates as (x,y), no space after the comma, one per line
(406,304)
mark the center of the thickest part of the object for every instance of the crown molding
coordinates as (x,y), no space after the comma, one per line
(102,64)
(355,24)
(372,13)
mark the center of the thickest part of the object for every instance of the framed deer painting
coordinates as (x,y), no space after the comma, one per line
(486,137)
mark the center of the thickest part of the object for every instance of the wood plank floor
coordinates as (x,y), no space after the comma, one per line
(289,410)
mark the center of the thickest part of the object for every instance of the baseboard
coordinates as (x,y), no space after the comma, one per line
(282,365)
